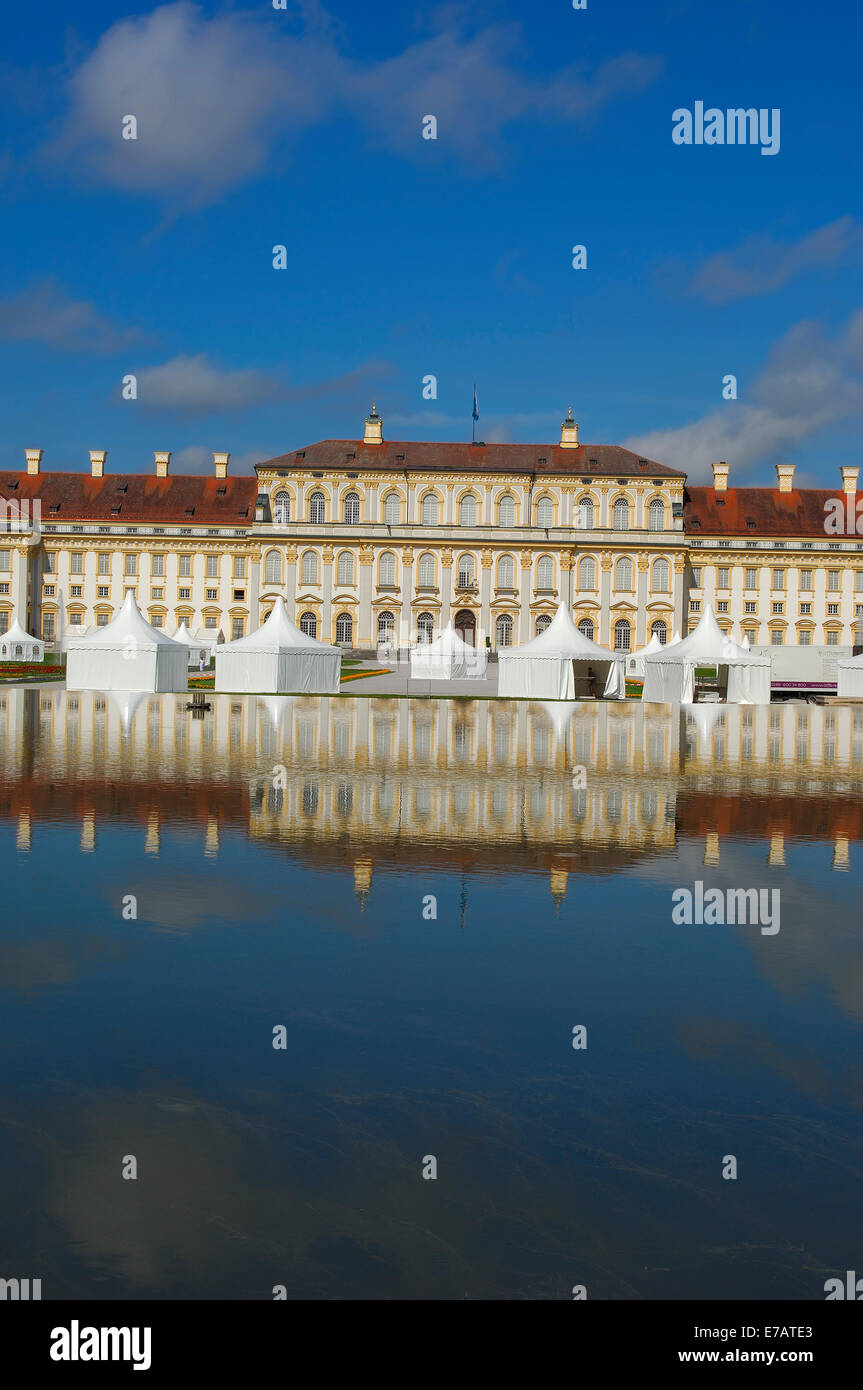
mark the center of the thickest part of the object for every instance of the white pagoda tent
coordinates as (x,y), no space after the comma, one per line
(197,647)
(635,660)
(448,658)
(128,654)
(849,679)
(556,665)
(18,645)
(669,675)
(278,659)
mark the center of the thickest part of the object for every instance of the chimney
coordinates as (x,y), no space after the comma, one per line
(221,461)
(785,476)
(97,462)
(34,461)
(569,432)
(374,428)
(163,463)
(849,479)
(720,477)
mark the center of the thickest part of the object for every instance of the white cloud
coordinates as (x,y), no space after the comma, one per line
(193,385)
(45,313)
(214,97)
(760,266)
(809,383)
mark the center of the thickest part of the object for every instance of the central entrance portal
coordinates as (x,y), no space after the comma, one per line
(465,626)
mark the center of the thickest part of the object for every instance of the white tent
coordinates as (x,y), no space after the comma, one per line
(128,654)
(18,645)
(545,667)
(448,658)
(669,676)
(278,659)
(635,660)
(746,644)
(849,680)
(197,647)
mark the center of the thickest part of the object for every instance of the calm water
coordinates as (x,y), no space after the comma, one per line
(302,906)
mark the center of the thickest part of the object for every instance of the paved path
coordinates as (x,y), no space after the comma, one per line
(398,682)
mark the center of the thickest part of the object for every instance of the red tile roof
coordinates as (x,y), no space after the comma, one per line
(179,500)
(774,513)
(401,455)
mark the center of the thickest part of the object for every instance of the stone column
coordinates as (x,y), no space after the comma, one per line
(407,634)
(327,633)
(366,635)
(291,580)
(605,563)
(641,596)
(445,587)
(485,619)
(524,632)
(679,621)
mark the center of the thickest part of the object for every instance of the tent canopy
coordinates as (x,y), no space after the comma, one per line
(279,633)
(669,676)
(708,645)
(129,626)
(278,659)
(849,677)
(34,648)
(127,654)
(543,667)
(560,638)
(449,657)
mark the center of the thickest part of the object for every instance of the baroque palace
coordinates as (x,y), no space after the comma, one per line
(374,541)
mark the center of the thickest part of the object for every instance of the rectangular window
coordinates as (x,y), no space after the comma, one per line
(76,562)
(5,588)
(212,595)
(157,593)
(779,579)
(695,605)
(805,609)
(833,639)
(158,567)
(103,619)
(722,606)
(833,610)
(237,626)
(239,595)
(48,627)
(832,581)
(212,566)
(103,591)
(858,580)
(130,566)
(4,561)
(751,634)
(185,570)
(777,637)
(722,578)
(157,620)
(185,593)
(49,565)
(806,581)
(804,638)
(751,579)
(777,608)
(103,564)
(696,576)
(239,566)
(76,590)
(48,590)
(75,619)
(750,607)
(211,622)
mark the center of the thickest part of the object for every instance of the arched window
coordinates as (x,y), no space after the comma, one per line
(503,630)
(585,626)
(656,515)
(545,572)
(506,510)
(622,636)
(310,567)
(467,510)
(465,571)
(660,576)
(351,509)
(623,573)
(425,627)
(587,572)
(542,623)
(317,508)
(621,514)
(282,509)
(386,627)
(430,510)
(345,571)
(506,572)
(659,629)
(273,567)
(387,570)
(545,512)
(309,624)
(392,509)
(585,513)
(426,572)
(344,629)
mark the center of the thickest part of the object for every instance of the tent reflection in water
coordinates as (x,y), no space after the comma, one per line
(278,659)
(669,675)
(556,665)
(18,645)
(448,658)
(127,654)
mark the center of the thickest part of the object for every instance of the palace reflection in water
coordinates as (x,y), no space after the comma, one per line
(279,852)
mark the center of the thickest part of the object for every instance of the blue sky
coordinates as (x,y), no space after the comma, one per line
(451,257)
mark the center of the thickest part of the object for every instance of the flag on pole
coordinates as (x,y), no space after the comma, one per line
(475,415)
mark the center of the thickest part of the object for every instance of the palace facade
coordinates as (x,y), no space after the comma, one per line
(374,541)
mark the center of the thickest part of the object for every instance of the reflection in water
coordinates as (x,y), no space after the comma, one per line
(279,852)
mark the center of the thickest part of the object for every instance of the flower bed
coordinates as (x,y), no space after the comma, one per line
(19,669)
